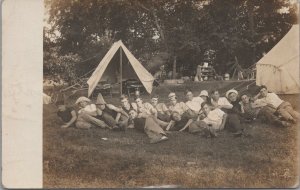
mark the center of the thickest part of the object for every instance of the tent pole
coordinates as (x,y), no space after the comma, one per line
(121,85)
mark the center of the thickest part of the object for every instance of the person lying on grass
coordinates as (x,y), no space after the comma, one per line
(87,115)
(218,120)
(147,125)
(185,123)
(162,112)
(111,114)
(67,114)
(283,109)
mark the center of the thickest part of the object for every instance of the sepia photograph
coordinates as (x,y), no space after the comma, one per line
(171,94)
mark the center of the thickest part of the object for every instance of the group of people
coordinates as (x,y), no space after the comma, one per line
(206,114)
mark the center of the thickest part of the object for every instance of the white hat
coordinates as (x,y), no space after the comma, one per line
(203,93)
(171,95)
(230,91)
(82,99)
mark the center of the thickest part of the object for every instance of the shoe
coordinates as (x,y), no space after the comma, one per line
(238,134)
(163,138)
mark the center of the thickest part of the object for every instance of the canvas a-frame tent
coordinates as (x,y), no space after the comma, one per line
(119,64)
(279,68)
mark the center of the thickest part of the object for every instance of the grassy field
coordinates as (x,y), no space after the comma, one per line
(266,157)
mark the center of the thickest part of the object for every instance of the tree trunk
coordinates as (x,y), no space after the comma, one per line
(174,67)
(251,26)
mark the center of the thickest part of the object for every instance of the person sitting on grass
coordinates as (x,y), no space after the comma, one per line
(147,125)
(180,107)
(218,119)
(67,114)
(193,103)
(110,114)
(144,109)
(126,106)
(87,115)
(282,108)
(162,111)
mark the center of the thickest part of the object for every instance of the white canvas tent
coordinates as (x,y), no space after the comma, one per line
(115,67)
(279,68)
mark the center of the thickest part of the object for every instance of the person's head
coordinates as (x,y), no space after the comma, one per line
(124,100)
(263,90)
(82,102)
(204,95)
(100,102)
(154,100)
(189,95)
(232,95)
(139,101)
(206,107)
(245,98)
(172,98)
(215,94)
(175,116)
(60,105)
(132,114)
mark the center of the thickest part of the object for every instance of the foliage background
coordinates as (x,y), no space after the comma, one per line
(77,34)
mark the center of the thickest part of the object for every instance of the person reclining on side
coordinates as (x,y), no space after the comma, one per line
(111,114)
(282,108)
(67,114)
(87,115)
(185,123)
(218,119)
(253,109)
(147,125)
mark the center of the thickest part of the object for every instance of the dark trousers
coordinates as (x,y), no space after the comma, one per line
(233,123)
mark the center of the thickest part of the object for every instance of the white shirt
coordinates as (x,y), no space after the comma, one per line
(222,102)
(215,118)
(272,99)
(195,104)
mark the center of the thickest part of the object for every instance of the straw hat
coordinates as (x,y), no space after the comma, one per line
(82,99)
(100,100)
(204,93)
(231,91)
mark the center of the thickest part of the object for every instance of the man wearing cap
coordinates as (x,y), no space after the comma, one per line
(223,104)
(204,95)
(110,114)
(233,97)
(87,115)
(162,112)
(283,108)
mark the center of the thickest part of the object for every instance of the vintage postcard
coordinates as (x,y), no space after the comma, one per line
(150,94)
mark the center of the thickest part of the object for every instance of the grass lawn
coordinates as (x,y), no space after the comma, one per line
(267,157)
